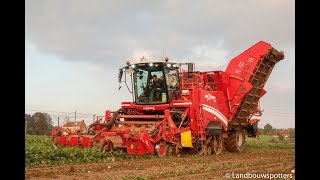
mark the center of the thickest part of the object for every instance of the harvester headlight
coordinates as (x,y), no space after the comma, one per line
(169,65)
(175,65)
(133,66)
(150,64)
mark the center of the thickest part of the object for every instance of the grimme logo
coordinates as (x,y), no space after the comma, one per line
(149,108)
(209,97)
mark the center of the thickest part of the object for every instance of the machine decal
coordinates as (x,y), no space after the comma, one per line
(216,113)
(210,97)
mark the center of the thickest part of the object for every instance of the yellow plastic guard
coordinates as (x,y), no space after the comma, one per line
(186,140)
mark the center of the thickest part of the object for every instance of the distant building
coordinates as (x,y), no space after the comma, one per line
(74,127)
(284,132)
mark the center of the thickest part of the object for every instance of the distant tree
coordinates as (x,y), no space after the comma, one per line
(292,132)
(27,116)
(30,124)
(39,124)
(48,117)
(267,129)
(49,121)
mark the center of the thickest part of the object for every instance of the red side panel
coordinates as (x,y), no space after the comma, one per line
(73,140)
(243,65)
(235,80)
(214,107)
(85,141)
(136,147)
(62,140)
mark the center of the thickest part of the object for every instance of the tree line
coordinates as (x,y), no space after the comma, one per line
(40,123)
(269,130)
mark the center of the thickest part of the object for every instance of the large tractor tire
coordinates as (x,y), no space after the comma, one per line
(235,142)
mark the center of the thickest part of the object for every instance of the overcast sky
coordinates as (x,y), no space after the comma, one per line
(74,48)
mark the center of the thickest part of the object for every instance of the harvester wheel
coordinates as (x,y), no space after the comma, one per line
(205,150)
(209,150)
(217,145)
(170,148)
(235,142)
(161,149)
(106,146)
(173,149)
(201,149)
(177,149)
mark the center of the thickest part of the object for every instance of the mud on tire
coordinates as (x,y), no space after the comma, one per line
(235,142)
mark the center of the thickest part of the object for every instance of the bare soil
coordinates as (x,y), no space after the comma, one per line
(272,161)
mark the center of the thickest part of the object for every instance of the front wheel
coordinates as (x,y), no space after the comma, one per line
(160,149)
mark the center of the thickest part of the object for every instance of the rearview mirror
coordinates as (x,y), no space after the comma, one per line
(120,75)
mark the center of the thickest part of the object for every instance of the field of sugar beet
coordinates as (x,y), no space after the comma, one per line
(43,160)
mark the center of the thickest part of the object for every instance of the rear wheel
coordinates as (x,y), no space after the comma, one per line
(170,150)
(209,150)
(217,145)
(236,141)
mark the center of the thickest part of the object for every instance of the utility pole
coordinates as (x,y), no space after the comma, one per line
(75,116)
(58,122)
(94,117)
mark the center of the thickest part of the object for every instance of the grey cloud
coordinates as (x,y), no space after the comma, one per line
(209,33)
(104,32)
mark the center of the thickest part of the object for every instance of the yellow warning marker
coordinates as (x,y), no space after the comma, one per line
(186,139)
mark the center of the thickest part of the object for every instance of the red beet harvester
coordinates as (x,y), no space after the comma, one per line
(202,112)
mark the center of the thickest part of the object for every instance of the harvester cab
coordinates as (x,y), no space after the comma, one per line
(153,82)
